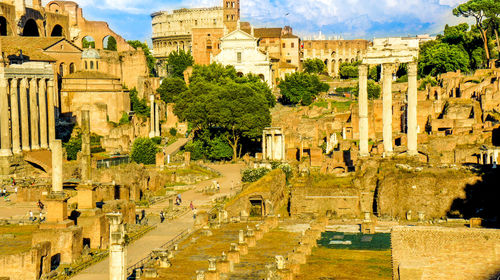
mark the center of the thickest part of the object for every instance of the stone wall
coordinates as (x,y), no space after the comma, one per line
(445,253)
(28,265)
(64,241)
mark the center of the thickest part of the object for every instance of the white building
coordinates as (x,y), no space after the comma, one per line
(240,49)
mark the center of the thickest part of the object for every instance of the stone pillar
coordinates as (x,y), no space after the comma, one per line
(488,157)
(42,93)
(157,121)
(51,110)
(14,105)
(412,109)
(264,151)
(117,249)
(283,147)
(6,145)
(363,110)
(57,166)
(25,127)
(152,116)
(387,107)
(35,140)
(85,160)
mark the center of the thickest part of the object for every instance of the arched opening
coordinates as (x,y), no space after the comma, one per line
(57,31)
(209,44)
(88,42)
(61,69)
(3,26)
(86,65)
(54,8)
(91,65)
(109,43)
(239,74)
(72,68)
(261,76)
(31,29)
(97,65)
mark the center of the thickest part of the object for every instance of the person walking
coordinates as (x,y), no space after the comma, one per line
(31,216)
(195,211)
(162,216)
(191,206)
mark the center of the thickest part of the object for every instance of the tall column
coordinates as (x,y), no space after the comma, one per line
(57,166)
(42,93)
(117,249)
(363,110)
(35,140)
(25,127)
(387,107)
(264,151)
(271,152)
(283,148)
(14,110)
(5,140)
(157,120)
(51,111)
(412,109)
(152,116)
(85,164)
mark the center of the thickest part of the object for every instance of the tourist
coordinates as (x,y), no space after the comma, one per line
(195,211)
(41,216)
(191,205)
(40,205)
(218,186)
(4,192)
(162,216)
(31,216)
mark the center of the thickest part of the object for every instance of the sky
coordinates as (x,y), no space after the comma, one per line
(349,19)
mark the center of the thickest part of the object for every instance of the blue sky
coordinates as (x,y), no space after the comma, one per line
(350,19)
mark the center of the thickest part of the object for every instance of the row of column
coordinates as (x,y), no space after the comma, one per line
(273,146)
(387,72)
(489,157)
(154,130)
(27,120)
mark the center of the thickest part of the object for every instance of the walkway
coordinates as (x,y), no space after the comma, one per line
(168,230)
(176,146)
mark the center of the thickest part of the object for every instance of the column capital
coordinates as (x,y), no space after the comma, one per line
(388,68)
(363,70)
(412,69)
(13,82)
(24,82)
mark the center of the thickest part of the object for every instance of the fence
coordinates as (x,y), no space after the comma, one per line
(115,161)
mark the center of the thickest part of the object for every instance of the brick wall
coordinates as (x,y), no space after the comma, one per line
(445,253)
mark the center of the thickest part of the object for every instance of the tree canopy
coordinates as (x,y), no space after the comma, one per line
(226,107)
(315,65)
(436,58)
(178,62)
(144,151)
(301,88)
(151,61)
(373,90)
(349,70)
(171,88)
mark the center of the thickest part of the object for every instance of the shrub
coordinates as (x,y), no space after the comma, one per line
(173,131)
(144,151)
(253,175)
(124,119)
(73,146)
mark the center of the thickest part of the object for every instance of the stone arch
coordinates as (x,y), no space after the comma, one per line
(109,43)
(55,8)
(91,65)
(71,68)
(239,74)
(57,31)
(88,42)
(31,29)
(261,76)
(4,27)
(352,60)
(61,69)
(86,65)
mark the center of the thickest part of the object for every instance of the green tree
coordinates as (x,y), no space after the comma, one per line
(144,151)
(441,58)
(178,62)
(111,44)
(238,108)
(139,106)
(73,147)
(88,43)
(150,60)
(349,70)
(315,66)
(373,90)
(478,10)
(171,88)
(301,88)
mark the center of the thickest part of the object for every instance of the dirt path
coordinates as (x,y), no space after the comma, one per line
(168,230)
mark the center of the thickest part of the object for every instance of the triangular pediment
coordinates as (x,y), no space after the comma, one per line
(238,35)
(63,45)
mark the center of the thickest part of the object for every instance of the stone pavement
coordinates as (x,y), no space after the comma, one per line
(169,229)
(176,146)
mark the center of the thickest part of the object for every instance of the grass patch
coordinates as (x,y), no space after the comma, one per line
(15,239)
(342,106)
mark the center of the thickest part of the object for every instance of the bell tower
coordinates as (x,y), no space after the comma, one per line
(231,14)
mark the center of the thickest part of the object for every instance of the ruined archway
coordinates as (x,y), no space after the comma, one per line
(61,69)
(31,29)
(88,42)
(4,27)
(57,31)
(109,43)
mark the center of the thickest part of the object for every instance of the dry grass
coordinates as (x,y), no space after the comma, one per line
(333,264)
(15,239)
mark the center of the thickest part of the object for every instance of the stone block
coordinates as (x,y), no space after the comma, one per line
(224,266)
(243,249)
(410,272)
(368,228)
(475,222)
(285,274)
(251,241)
(66,242)
(233,257)
(212,275)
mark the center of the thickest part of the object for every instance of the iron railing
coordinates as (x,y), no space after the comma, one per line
(114,161)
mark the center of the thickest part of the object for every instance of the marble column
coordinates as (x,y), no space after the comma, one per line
(157,121)
(412,109)
(14,105)
(42,93)
(152,116)
(85,161)
(5,139)
(57,166)
(117,249)
(51,111)
(25,127)
(387,107)
(264,151)
(35,138)
(363,110)
(283,148)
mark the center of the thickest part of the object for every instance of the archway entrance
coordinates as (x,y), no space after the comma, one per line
(31,29)
(109,43)
(3,26)
(257,207)
(57,31)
